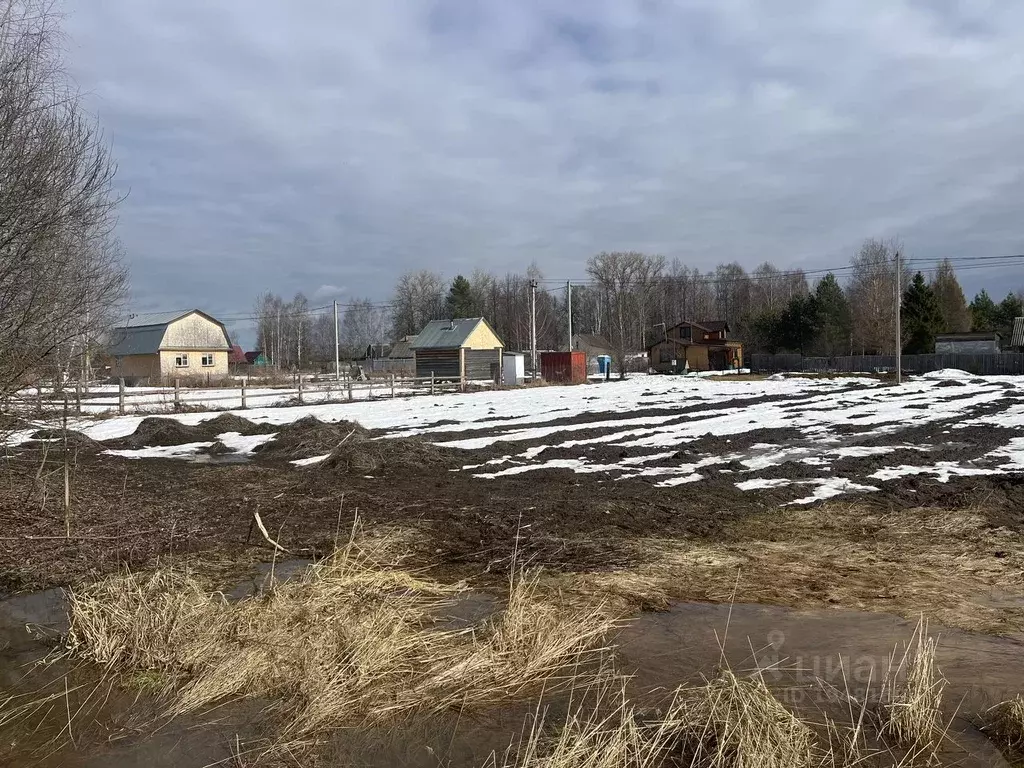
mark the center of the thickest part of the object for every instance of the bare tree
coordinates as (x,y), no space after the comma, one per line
(419,298)
(624,278)
(365,325)
(872,296)
(62,280)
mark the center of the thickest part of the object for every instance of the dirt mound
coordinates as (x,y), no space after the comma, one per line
(403,454)
(310,437)
(157,431)
(53,439)
(229,422)
(217,449)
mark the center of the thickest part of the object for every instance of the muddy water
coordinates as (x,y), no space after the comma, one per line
(797,651)
(115,727)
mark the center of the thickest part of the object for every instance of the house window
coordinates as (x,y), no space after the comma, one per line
(208,360)
(181,360)
(684,333)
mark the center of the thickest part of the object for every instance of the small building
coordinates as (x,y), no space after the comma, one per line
(513,369)
(402,349)
(564,367)
(236,356)
(703,346)
(462,349)
(976,343)
(594,347)
(170,345)
(256,357)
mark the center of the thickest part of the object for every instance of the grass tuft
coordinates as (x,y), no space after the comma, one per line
(911,696)
(1004,723)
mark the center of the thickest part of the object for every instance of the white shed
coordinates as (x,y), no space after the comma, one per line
(513,368)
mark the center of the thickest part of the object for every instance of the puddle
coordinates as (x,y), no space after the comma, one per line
(850,650)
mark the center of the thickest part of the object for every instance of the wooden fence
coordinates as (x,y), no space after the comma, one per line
(1003,363)
(178,398)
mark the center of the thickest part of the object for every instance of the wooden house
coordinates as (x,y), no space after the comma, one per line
(463,349)
(703,346)
(170,345)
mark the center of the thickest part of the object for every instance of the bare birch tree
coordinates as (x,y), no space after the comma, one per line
(872,295)
(62,279)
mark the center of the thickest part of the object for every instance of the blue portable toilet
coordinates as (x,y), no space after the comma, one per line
(604,364)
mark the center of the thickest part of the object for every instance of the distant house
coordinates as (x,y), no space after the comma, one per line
(236,356)
(593,347)
(402,349)
(466,349)
(256,358)
(977,343)
(703,346)
(170,345)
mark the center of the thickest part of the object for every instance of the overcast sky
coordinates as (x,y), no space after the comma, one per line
(328,145)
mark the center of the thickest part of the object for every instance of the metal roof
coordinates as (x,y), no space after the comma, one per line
(137,341)
(402,349)
(968,336)
(1017,340)
(447,334)
(144,319)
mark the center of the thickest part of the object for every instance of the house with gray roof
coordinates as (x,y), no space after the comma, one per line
(461,349)
(163,346)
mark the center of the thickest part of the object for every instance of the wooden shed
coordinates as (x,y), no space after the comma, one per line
(463,349)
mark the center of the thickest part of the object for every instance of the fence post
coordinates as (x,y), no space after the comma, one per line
(78,397)
(177,395)
(243,395)
(370,393)
(392,386)
(350,391)
(431,382)
(120,396)
(300,389)
(39,399)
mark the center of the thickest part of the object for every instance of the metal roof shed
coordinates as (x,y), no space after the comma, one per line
(464,349)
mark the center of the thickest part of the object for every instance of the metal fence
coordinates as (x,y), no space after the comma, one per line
(1002,363)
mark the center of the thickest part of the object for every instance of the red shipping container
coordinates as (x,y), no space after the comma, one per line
(564,367)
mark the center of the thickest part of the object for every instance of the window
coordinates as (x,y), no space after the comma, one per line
(684,333)
(181,360)
(208,360)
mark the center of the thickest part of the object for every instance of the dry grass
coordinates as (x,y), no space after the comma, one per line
(1004,723)
(733,722)
(840,554)
(356,640)
(911,697)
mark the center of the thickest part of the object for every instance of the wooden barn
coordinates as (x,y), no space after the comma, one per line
(463,349)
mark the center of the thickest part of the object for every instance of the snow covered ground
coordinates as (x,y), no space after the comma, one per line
(676,431)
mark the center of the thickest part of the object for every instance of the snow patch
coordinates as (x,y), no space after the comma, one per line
(948,373)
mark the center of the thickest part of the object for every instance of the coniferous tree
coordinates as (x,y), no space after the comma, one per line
(460,299)
(921,318)
(984,313)
(835,323)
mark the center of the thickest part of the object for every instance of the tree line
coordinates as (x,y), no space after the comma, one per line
(630,298)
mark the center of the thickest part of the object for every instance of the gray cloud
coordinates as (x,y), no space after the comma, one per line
(326,146)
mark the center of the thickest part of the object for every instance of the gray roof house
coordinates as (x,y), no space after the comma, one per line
(167,345)
(464,348)
(402,349)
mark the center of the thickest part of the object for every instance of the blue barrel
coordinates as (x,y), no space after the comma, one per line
(604,364)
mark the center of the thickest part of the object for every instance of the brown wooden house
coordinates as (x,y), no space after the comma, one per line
(703,346)
(465,348)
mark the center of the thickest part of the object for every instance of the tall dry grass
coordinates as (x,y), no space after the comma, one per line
(911,695)
(357,639)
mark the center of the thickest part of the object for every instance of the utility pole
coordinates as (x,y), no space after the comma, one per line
(568,293)
(277,353)
(337,348)
(899,332)
(533,326)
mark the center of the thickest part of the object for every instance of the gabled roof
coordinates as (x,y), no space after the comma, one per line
(713,325)
(252,357)
(592,342)
(1017,339)
(448,334)
(235,354)
(402,349)
(142,334)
